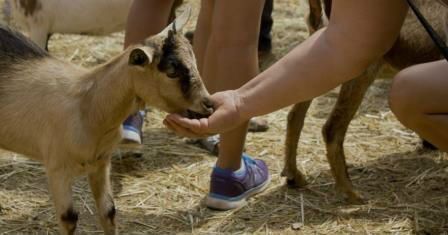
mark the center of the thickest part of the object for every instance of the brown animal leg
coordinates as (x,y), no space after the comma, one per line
(61,191)
(102,192)
(350,97)
(296,119)
(314,19)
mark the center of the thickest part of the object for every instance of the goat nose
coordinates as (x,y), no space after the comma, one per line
(207,104)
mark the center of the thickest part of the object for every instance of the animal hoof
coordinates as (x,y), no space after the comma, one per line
(428,146)
(296,180)
(354,199)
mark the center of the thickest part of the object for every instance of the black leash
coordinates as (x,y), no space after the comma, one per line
(432,33)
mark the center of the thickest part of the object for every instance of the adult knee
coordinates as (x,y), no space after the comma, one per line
(402,98)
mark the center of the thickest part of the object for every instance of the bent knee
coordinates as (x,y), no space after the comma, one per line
(403,97)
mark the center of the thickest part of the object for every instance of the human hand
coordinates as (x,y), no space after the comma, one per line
(226,117)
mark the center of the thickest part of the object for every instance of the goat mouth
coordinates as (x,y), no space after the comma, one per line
(195,115)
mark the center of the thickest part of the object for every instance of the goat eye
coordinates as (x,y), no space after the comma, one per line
(172,73)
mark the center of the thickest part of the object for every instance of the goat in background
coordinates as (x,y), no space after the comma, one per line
(412,47)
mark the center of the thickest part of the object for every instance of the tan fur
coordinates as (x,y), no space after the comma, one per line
(29,6)
(69,118)
(413,46)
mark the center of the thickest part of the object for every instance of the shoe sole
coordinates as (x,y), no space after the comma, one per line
(131,140)
(130,145)
(223,205)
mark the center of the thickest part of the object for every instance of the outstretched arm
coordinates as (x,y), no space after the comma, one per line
(358,33)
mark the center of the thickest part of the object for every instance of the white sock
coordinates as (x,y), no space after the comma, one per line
(242,170)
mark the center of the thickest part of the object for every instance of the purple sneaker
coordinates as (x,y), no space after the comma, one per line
(229,190)
(132,130)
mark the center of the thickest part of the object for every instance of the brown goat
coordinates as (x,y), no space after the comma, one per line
(69,118)
(413,46)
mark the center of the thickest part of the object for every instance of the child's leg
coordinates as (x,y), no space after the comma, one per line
(201,40)
(203,31)
(146,18)
(419,99)
(230,60)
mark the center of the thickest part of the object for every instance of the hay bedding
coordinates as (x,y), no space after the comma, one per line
(161,191)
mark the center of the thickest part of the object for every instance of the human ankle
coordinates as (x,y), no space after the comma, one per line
(229,165)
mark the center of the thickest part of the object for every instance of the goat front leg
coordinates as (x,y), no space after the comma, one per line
(294,128)
(102,192)
(334,130)
(60,186)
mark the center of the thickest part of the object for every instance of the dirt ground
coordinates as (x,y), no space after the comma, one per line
(161,192)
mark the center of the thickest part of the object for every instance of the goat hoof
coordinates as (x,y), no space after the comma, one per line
(354,199)
(297,180)
(428,146)
(295,184)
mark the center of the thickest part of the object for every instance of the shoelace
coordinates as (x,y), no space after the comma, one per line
(247,160)
(257,172)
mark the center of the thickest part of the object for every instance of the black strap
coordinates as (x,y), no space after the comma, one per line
(440,43)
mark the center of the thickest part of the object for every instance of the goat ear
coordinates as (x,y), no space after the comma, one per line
(141,56)
(178,23)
